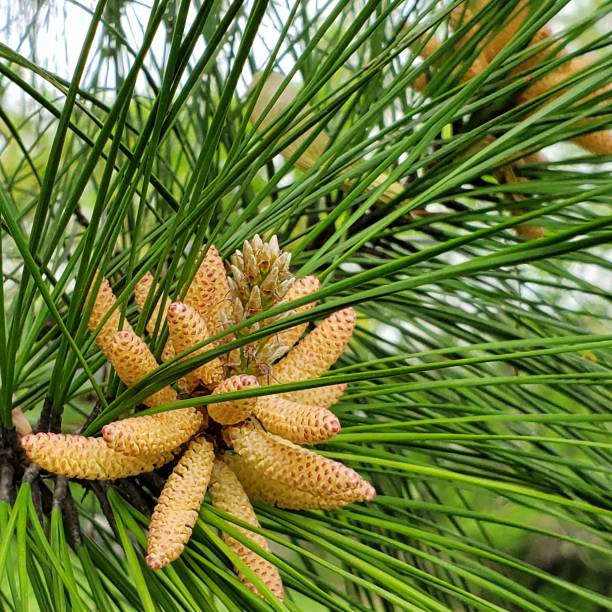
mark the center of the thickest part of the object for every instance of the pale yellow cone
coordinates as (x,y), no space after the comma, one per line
(272,85)
(460,17)
(228,413)
(275,493)
(179,503)
(143,287)
(132,360)
(318,351)
(431,45)
(87,458)
(318,396)
(229,496)
(209,291)
(598,142)
(509,30)
(271,457)
(104,302)
(153,433)
(188,328)
(298,423)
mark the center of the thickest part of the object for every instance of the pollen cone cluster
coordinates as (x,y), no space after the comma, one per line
(538,85)
(245,447)
(543,49)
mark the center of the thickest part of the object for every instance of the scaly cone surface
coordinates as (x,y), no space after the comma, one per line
(275,493)
(319,350)
(229,496)
(298,423)
(153,433)
(318,396)
(188,328)
(271,457)
(145,286)
(104,302)
(209,290)
(132,360)
(87,458)
(313,356)
(179,503)
(234,411)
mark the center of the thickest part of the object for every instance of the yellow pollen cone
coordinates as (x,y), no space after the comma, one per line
(229,496)
(87,458)
(318,396)
(228,413)
(271,457)
(141,291)
(187,328)
(209,291)
(298,423)
(153,433)
(598,142)
(275,493)
(318,351)
(132,360)
(104,302)
(179,503)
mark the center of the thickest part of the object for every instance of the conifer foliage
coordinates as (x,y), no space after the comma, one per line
(260,279)
(306,305)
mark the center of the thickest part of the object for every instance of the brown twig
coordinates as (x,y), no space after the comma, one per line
(97,409)
(133,494)
(8,442)
(100,488)
(30,473)
(44,420)
(6,482)
(36,493)
(70,512)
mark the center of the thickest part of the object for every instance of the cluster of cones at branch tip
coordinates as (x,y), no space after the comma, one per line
(554,83)
(241,450)
(463,19)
